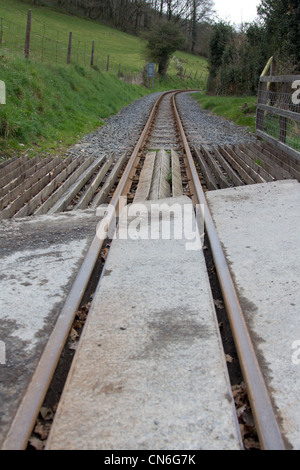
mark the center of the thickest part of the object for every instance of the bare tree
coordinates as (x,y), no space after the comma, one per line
(137,15)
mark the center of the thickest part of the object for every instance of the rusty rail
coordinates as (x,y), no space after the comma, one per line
(267,426)
(23,423)
(27,413)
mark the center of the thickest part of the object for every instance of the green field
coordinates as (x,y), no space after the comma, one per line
(239,109)
(50,104)
(50,35)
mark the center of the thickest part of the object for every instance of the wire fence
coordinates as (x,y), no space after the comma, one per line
(278,110)
(281,96)
(38,41)
(41,43)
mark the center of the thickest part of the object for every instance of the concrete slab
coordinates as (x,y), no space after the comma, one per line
(39,259)
(259,228)
(149,371)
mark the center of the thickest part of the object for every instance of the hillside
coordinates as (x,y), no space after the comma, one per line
(49,107)
(50,35)
(50,104)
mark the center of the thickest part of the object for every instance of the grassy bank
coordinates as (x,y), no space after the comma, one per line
(240,110)
(48,106)
(50,30)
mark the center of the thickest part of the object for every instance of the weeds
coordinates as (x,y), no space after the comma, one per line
(240,110)
(47,106)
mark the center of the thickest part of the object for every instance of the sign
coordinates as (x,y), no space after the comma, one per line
(150,74)
(2,93)
(150,71)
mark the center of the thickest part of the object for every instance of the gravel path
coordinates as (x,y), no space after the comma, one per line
(121,131)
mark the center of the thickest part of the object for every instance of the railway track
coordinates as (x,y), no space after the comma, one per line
(69,185)
(37,186)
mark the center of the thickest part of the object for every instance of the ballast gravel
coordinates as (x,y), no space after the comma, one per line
(121,131)
(203,127)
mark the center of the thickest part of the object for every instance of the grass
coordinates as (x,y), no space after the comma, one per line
(241,110)
(292,132)
(55,26)
(49,106)
(191,64)
(52,106)
(51,27)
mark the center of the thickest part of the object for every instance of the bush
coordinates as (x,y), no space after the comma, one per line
(163,41)
(236,59)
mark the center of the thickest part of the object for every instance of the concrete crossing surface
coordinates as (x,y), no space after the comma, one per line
(259,228)
(149,371)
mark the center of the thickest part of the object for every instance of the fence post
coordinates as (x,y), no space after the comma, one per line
(119,72)
(1,33)
(56,50)
(107,64)
(261,99)
(69,49)
(27,37)
(92,56)
(283,120)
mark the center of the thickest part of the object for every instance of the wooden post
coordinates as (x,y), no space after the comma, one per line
(69,49)
(92,56)
(107,64)
(285,90)
(56,50)
(119,71)
(1,33)
(42,54)
(27,37)
(261,99)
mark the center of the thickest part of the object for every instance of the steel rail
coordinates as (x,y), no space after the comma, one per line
(267,427)
(269,434)
(27,413)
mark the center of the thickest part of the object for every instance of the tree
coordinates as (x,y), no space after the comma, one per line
(282,19)
(222,33)
(236,58)
(200,10)
(163,41)
(137,16)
